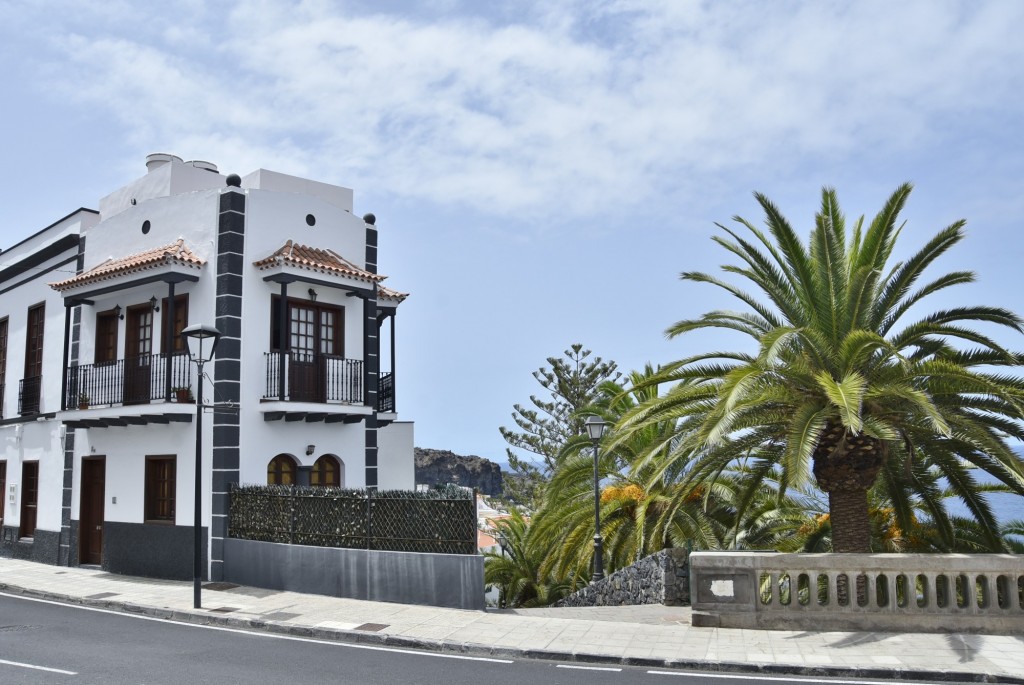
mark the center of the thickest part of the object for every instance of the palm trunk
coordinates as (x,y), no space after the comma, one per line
(851,525)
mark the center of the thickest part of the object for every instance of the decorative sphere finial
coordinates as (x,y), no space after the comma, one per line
(370,218)
(234,181)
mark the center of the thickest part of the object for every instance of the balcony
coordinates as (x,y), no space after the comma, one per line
(134,380)
(29,390)
(322,379)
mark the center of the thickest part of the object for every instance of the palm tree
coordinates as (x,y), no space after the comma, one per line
(840,385)
(516,570)
(643,512)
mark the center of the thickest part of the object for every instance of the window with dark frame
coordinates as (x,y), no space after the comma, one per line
(160,489)
(29,498)
(106,337)
(180,323)
(30,389)
(313,327)
(34,341)
(281,470)
(326,472)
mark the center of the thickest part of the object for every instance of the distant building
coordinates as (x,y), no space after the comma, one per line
(97,436)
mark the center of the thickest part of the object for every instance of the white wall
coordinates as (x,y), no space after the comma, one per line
(272,218)
(125,450)
(395,465)
(192,217)
(34,442)
(173,178)
(261,441)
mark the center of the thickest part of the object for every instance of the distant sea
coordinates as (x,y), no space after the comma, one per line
(1006,506)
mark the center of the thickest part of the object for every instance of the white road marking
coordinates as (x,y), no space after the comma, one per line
(740,676)
(36,668)
(293,638)
(590,668)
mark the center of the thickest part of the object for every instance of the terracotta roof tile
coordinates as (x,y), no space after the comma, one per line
(315,259)
(389,294)
(175,253)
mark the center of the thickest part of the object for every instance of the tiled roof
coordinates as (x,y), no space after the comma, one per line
(315,259)
(389,294)
(175,253)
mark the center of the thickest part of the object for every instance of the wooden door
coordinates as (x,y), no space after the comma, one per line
(90,517)
(303,375)
(138,353)
(29,498)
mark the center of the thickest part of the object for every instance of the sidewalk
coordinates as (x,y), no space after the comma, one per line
(652,636)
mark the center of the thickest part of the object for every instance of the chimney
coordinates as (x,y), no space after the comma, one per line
(199,164)
(158,159)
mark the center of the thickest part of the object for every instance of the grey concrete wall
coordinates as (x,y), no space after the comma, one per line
(150,550)
(444,580)
(661,578)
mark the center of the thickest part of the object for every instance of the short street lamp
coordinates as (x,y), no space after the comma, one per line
(595,429)
(201,341)
(503,543)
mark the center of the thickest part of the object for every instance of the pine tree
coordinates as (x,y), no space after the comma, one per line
(572,384)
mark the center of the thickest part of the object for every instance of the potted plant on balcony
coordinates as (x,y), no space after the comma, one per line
(83,401)
(183,393)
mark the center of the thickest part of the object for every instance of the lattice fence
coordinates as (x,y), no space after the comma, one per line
(439,521)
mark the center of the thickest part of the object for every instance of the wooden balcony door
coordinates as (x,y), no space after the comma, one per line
(313,337)
(32,383)
(138,352)
(90,518)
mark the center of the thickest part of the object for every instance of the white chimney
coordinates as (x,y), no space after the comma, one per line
(158,159)
(199,164)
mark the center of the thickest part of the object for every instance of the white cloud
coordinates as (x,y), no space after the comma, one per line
(569,105)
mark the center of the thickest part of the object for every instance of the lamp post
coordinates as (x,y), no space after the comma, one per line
(595,429)
(201,341)
(503,543)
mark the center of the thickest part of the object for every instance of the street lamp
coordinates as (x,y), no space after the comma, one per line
(503,543)
(595,429)
(201,341)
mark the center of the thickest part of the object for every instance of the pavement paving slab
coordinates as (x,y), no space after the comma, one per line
(651,635)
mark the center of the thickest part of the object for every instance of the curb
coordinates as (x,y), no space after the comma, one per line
(476,649)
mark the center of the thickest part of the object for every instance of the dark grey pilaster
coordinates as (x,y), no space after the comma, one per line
(228,367)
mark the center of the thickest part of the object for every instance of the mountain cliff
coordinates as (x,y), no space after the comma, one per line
(437,467)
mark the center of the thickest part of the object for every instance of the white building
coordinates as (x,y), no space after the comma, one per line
(98,434)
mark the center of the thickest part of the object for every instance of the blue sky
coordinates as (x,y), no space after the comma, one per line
(541,171)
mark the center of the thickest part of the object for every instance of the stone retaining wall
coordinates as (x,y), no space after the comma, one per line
(662,578)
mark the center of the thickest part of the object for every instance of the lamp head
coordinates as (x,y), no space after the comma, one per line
(595,426)
(201,340)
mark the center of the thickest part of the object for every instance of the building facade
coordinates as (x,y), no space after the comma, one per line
(99,423)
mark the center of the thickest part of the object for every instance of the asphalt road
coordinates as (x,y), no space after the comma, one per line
(44,642)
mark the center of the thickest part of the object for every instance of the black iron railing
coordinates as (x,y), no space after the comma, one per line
(386,393)
(314,378)
(28,395)
(134,380)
